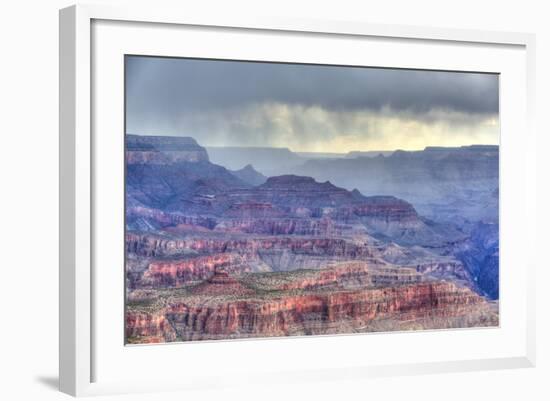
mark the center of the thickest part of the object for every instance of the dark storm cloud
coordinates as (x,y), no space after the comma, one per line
(308,107)
(162,87)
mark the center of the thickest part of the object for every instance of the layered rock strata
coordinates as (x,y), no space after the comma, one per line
(163,150)
(213,253)
(349,298)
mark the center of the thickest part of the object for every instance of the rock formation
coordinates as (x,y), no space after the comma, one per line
(213,253)
(351,297)
(163,150)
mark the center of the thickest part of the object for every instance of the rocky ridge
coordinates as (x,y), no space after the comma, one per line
(356,296)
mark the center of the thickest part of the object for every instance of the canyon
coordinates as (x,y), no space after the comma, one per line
(216,252)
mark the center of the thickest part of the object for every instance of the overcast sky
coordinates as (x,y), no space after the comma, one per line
(309,107)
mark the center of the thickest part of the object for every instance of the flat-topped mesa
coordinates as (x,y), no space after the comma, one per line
(300,191)
(141,149)
(304,184)
(293,190)
(289,181)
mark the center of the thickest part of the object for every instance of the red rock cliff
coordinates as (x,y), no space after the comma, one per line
(297,311)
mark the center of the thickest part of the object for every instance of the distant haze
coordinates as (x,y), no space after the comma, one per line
(309,108)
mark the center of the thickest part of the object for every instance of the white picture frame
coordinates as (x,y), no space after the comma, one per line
(78,164)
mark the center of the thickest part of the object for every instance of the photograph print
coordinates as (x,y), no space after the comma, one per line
(269,199)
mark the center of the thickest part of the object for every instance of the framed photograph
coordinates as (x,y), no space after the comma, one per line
(290,200)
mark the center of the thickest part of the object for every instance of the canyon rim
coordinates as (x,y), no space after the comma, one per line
(278,199)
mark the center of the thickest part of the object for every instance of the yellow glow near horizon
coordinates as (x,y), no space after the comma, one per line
(315,129)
